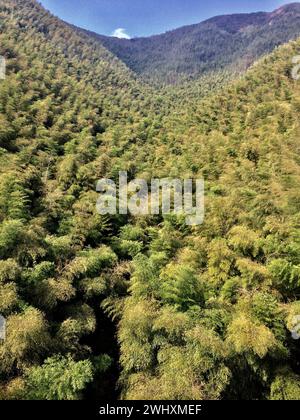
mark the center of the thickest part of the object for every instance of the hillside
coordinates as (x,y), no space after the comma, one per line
(234,41)
(115,306)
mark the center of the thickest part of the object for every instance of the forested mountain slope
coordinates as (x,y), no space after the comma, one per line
(63,98)
(214,306)
(234,41)
(200,312)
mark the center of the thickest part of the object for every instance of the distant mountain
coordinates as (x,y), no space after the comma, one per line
(223,41)
(123,307)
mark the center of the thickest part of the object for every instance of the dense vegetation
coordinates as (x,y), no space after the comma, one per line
(233,41)
(200,312)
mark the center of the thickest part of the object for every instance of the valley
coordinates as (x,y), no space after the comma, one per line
(115,306)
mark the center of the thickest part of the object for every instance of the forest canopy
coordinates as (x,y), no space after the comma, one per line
(102,306)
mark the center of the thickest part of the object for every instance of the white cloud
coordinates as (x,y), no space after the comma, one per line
(120,33)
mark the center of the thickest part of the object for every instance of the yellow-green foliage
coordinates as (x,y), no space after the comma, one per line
(203,312)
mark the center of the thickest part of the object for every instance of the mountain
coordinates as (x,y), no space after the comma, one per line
(144,307)
(234,41)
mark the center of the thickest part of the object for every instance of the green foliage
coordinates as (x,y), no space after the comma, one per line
(286,386)
(58,379)
(201,312)
(27,340)
(180,287)
(246,336)
(286,276)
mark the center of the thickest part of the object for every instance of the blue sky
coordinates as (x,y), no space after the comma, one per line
(148,17)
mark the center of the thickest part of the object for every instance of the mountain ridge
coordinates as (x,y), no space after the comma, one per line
(188,52)
(110,307)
